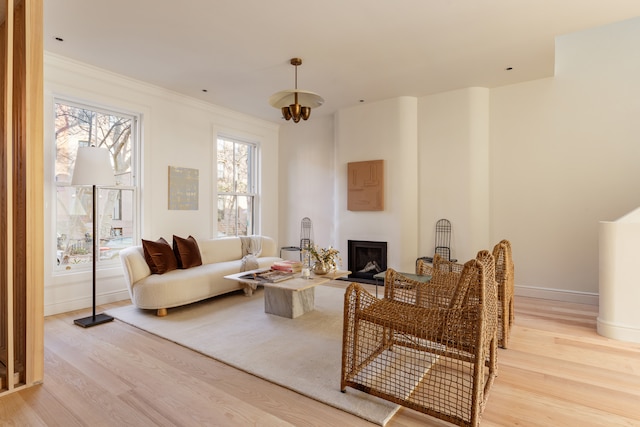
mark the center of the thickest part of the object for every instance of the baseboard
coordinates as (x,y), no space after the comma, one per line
(557,295)
(80,303)
(618,331)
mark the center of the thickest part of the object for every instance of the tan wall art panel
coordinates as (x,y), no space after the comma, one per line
(183,188)
(365,190)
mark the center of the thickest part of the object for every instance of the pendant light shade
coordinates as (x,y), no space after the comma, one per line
(295,104)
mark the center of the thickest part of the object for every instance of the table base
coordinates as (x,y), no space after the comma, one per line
(287,302)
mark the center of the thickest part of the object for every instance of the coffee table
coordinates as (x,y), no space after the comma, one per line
(382,274)
(290,298)
(248,285)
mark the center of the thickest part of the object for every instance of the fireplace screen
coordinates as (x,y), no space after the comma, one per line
(366,259)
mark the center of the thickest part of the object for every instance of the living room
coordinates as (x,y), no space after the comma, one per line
(540,162)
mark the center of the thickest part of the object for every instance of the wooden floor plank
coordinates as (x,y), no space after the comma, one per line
(15,408)
(557,371)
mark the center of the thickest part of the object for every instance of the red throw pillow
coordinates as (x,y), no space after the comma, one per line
(159,256)
(187,252)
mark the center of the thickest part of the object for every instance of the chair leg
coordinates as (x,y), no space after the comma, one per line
(511,312)
(505,327)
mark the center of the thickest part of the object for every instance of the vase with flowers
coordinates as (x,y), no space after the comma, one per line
(324,259)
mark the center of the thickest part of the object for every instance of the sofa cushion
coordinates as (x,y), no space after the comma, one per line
(159,256)
(187,252)
(220,250)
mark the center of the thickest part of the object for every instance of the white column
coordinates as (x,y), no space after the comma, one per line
(619,316)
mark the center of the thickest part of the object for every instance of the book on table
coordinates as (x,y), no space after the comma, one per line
(269,276)
(287,265)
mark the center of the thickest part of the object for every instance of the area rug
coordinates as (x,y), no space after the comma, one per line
(302,354)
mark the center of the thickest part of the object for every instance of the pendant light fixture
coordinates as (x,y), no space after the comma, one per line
(296,104)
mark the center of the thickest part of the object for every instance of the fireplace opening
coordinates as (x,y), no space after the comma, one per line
(366,259)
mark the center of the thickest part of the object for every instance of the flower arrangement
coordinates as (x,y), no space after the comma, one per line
(328,257)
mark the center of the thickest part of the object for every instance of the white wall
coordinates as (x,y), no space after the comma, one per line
(307,180)
(453,154)
(385,130)
(178,131)
(565,155)
(539,163)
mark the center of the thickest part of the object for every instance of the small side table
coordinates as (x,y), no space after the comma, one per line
(291,249)
(412,276)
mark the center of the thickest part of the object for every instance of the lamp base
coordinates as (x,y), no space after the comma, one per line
(98,319)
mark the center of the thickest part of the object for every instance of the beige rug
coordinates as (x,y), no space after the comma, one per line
(302,354)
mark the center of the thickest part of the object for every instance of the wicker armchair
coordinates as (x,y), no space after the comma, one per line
(424,269)
(505,280)
(429,348)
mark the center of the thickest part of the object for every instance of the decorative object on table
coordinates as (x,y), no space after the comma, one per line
(93,167)
(296,104)
(320,269)
(306,238)
(324,259)
(183,188)
(365,188)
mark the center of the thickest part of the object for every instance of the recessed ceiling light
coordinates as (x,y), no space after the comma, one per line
(60,39)
(205,90)
(362,100)
(508,69)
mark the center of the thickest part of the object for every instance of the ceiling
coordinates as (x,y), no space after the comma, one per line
(353,51)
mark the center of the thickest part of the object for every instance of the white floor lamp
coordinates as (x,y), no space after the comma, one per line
(93,167)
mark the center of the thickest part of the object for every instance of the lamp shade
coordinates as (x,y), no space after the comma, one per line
(287,97)
(93,167)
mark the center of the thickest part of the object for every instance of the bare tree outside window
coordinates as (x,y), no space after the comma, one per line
(236,187)
(76,126)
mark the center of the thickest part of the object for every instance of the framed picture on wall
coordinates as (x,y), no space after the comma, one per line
(365,191)
(183,188)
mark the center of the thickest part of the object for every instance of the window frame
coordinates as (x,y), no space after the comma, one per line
(58,268)
(253,185)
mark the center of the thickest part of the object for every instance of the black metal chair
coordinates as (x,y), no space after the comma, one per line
(442,242)
(306,238)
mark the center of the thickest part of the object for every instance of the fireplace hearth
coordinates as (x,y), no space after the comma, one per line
(366,259)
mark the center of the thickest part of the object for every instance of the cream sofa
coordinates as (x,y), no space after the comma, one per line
(220,257)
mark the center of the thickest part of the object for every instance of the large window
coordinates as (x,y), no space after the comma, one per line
(81,125)
(237,187)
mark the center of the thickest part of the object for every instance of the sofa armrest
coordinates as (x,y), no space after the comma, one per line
(134,265)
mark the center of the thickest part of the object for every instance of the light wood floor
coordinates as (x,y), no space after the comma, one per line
(557,372)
